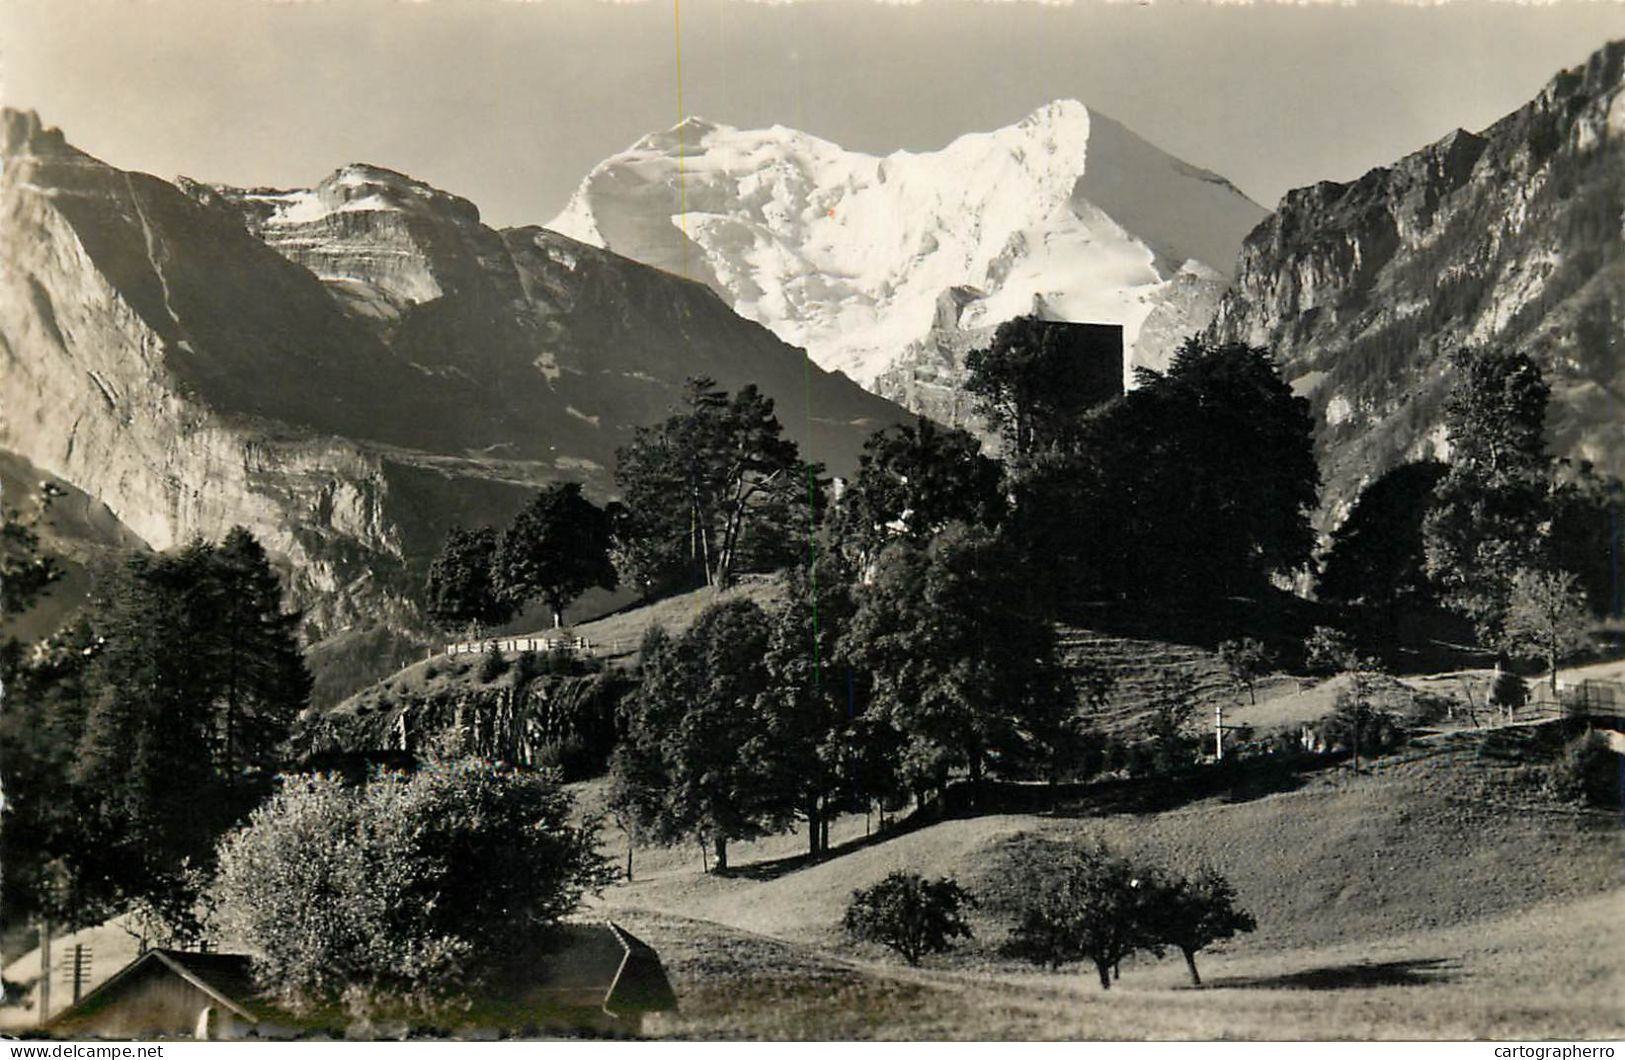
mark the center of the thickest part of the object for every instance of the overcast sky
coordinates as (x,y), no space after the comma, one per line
(510,103)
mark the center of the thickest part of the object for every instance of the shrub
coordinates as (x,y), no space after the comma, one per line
(1587,771)
(1425,708)
(533,664)
(1360,728)
(1508,693)
(525,668)
(430,671)
(910,914)
(492,664)
(399,895)
(570,756)
(1328,651)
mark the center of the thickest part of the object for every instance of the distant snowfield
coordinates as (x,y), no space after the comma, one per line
(846,254)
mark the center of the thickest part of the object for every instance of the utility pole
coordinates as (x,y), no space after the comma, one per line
(79,971)
(44,971)
(1218,730)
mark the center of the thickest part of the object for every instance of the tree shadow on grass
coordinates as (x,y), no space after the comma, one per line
(1360,975)
(1233,780)
(899,825)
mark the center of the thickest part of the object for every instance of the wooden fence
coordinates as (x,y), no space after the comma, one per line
(515,645)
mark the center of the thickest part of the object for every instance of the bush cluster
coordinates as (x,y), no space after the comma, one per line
(1587,772)
(492,664)
(399,896)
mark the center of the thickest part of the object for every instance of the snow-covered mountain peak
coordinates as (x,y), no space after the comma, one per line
(686,135)
(847,253)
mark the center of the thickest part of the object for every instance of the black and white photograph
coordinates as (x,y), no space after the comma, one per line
(812,520)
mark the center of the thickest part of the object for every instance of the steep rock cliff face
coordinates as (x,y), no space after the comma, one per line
(1513,236)
(170,366)
(550,719)
(376,368)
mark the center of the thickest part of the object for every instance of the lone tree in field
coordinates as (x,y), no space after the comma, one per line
(910,914)
(462,591)
(556,549)
(1547,617)
(1246,660)
(1081,903)
(402,895)
(1355,721)
(1192,914)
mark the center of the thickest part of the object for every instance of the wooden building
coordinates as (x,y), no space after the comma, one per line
(599,980)
(175,994)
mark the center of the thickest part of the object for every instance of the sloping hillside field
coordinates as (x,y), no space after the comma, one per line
(1435,894)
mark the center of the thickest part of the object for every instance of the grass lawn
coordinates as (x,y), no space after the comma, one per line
(1548,973)
(1435,895)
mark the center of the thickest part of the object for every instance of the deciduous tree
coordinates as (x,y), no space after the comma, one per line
(912,481)
(1246,660)
(402,894)
(1083,902)
(1489,509)
(1030,386)
(1547,617)
(1191,914)
(463,591)
(556,548)
(953,658)
(1377,555)
(804,701)
(1205,477)
(910,914)
(699,755)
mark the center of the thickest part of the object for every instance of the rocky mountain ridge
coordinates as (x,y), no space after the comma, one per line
(347,371)
(1511,236)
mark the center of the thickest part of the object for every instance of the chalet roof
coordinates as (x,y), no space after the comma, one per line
(595,966)
(228,978)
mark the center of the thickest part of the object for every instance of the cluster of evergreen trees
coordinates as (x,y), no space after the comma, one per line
(136,735)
